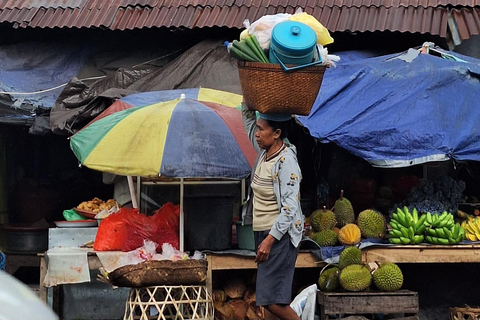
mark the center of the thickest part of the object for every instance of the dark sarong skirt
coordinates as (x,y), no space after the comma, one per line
(275,276)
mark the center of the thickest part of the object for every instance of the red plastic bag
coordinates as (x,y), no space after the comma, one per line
(167,219)
(112,231)
(160,228)
(167,216)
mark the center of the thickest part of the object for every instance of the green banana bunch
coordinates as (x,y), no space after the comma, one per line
(407,227)
(439,220)
(442,229)
(472,229)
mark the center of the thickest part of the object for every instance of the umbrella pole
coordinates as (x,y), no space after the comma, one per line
(131,187)
(181,216)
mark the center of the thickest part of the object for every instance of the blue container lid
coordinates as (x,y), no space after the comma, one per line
(293,37)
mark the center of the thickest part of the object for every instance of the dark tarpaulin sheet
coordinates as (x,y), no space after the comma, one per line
(395,113)
(206,64)
(32,75)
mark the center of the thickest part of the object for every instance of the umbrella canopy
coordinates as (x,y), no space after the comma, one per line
(401,109)
(181,138)
(146,98)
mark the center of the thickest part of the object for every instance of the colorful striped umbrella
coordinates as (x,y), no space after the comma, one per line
(178,138)
(145,135)
(145,98)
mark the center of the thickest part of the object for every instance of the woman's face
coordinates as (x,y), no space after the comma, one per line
(265,135)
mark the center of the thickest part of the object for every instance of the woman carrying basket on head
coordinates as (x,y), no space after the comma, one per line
(273,206)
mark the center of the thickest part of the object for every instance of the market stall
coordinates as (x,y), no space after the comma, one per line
(381,127)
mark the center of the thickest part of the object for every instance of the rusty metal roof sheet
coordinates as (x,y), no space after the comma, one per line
(423,16)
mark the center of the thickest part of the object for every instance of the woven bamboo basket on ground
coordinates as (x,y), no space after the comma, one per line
(169,303)
(267,88)
(465,313)
(160,272)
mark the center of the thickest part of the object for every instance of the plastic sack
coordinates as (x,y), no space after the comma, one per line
(161,228)
(304,303)
(170,253)
(262,28)
(112,232)
(167,217)
(323,36)
(72,215)
(141,254)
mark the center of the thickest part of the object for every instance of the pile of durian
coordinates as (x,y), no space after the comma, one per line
(351,274)
(339,226)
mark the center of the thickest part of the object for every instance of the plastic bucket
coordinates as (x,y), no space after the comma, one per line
(292,42)
(245,237)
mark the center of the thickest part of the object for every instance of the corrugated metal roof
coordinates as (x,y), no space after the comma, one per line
(29,4)
(423,16)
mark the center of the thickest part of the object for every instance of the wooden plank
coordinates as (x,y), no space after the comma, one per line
(43,273)
(368,302)
(308,260)
(423,254)
(226,262)
(368,293)
(209,274)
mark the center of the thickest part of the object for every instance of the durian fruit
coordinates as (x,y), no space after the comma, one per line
(343,211)
(388,277)
(355,277)
(328,279)
(322,219)
(349,234)
(348,256)
(372,224)
(325,238)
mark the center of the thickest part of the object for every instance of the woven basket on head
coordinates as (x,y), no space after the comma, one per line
(160,272)
(267,88)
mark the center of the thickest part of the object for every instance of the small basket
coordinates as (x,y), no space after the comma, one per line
(269,89)
(160,272)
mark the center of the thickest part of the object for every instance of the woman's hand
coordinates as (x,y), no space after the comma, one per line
(263,250)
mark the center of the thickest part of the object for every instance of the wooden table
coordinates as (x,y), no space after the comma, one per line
(237,262)
(397,254)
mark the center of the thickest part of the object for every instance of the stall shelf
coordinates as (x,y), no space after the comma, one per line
(467,253)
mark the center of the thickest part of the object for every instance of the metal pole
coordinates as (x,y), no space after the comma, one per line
(131,187)
(182,248)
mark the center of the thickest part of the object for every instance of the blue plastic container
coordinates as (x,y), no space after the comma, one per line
(292,42)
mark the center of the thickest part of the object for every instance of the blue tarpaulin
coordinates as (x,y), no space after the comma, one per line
(33,74)
(394,111)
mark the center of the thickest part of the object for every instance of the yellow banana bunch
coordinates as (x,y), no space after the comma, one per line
(472,229)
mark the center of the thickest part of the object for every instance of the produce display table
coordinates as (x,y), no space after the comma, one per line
(399,254)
